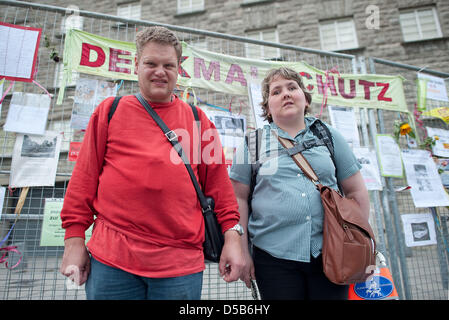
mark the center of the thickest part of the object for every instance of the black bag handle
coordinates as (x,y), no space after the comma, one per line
(206,203)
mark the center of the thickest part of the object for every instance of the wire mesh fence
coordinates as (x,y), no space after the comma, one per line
(423,270)
(419,272)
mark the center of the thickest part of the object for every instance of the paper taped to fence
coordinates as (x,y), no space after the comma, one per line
(422,175)
(18,51)
(96,55)
(35,160)
(52,233)
(419,229)
(28,113)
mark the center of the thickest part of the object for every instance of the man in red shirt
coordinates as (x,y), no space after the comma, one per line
(149,229)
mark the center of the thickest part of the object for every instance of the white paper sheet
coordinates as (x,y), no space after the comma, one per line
(17,51)
(389,156)
(88,94)
(231,128)
(35,160)
(2,199)
(1,94)
(52,233)
(422,175)
(441,147)
(370,169)
(255,98)
(28,113)
(419,229)
(436,88)
(343,119)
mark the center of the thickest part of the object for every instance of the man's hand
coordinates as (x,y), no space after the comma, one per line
(76,261)
(231,260)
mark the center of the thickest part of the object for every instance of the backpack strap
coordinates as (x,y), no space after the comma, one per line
(198,123)
(320,130)
(195,114)
(253,141)
(113,108)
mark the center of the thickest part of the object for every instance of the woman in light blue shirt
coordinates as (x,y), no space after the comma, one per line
(285,222)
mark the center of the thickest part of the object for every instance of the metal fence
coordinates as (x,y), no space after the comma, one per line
(418,273)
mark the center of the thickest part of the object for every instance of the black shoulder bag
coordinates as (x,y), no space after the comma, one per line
(214,240)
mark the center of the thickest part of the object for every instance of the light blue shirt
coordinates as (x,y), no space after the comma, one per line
(287,214)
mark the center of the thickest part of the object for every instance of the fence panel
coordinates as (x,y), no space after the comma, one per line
(423,271)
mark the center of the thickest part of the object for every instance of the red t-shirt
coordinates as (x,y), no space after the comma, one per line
(148,217)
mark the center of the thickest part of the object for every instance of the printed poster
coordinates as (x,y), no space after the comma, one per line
(441,147)
(370,169)
(88,94)
(422,176)
(419,229)
(343,119)
(52,233)
(389,156)
(231,128)
(35,160)
(443,170)
(436,88)
(74,150)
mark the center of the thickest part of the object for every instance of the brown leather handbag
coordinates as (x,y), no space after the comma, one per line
(349,247)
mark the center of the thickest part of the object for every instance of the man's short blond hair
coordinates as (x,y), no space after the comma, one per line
(159,35)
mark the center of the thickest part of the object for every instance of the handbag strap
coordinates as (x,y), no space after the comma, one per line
(173,139)
(299,160)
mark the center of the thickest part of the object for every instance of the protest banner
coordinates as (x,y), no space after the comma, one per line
(88,53)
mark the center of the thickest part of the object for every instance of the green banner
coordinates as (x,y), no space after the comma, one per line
(92,54)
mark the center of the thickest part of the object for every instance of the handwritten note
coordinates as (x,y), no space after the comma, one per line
(18,51)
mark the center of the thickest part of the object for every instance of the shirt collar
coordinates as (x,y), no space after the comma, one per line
(307,120)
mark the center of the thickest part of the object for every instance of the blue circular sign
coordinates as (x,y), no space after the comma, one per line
(377,288)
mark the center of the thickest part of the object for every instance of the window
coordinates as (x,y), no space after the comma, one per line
(255,51)
(129,10)
(186,6)
(338,35)
(419,24)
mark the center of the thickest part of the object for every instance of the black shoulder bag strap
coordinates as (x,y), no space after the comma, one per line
(206,203)
(113,108)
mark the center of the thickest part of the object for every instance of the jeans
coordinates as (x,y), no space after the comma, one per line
(280,279)
(108,283)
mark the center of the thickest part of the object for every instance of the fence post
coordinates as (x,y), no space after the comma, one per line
(380,243)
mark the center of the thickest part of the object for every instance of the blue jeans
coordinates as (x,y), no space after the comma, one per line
(108,283)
